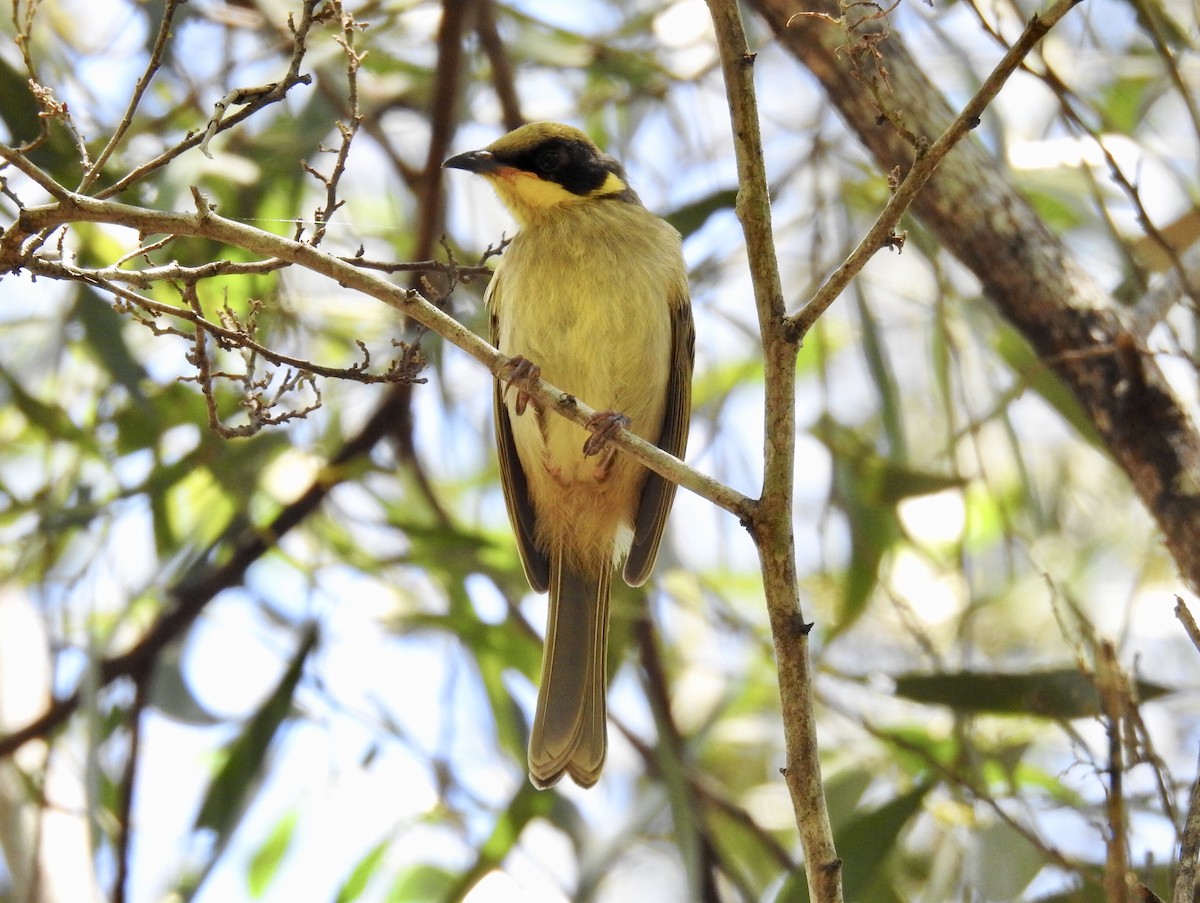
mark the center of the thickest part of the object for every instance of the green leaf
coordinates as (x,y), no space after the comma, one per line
(363,872)
(1055,198)
(525,805)
(868,839)
(1062,693)
(1005,862)
(265,862)
(19,110)
(420,884)
(867,487)
(691,217)
(1018,354)
(1126,98)
(104,329)
(230,788)
(51,419)
(843,791)
(879,366)
(170,694)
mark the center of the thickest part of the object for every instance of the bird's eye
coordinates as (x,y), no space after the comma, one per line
(551,159)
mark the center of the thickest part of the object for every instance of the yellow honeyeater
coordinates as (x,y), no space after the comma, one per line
(592,294)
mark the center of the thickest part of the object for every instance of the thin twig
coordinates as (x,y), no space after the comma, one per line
(1184,614)
(165,31)
(257,99)
(124,812)
(882,232)
(106,281)
(353,61)
(1189,847)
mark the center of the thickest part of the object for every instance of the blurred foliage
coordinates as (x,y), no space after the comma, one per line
(350,722)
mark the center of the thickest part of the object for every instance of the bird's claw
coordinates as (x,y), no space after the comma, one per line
(518,371)
(605,427)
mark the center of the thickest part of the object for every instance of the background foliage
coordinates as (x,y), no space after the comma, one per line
(994,634)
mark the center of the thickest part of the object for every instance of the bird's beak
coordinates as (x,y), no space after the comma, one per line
(479,161)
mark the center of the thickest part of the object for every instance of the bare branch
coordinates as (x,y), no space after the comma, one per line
(771,523)
(165,30)
(255,99)
(347,131)
(204,222)
(1184,614)
(1189,848)
(882,233)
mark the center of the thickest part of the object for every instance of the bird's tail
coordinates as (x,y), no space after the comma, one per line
(569,728)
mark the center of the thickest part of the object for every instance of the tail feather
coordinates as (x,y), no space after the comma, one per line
(570,733)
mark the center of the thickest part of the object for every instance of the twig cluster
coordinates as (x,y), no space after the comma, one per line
(273,387)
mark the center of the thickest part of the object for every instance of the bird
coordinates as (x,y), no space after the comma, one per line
(592,296)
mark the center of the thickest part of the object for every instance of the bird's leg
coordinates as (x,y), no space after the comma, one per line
(518,370)
(605,426)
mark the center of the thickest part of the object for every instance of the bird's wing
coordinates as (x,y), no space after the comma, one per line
(512,479)
(657,494)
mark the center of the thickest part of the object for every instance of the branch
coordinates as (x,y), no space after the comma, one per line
(1189,848)
(882,233)
(254,99)
(1026,272)
(1114,699)
(207,224)
(771,525)
(1189,845)
(165,30)
(504,81)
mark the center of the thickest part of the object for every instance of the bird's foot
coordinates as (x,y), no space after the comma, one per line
(605,426)
(520,372)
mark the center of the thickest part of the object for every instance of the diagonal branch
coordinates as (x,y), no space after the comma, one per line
(881,234)
(205,223)
(1025,271)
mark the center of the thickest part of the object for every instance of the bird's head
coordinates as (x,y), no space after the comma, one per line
(543,166)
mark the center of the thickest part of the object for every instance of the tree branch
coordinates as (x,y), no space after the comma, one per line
(882,233)
(206,223)
(1025,271)
(771,524)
